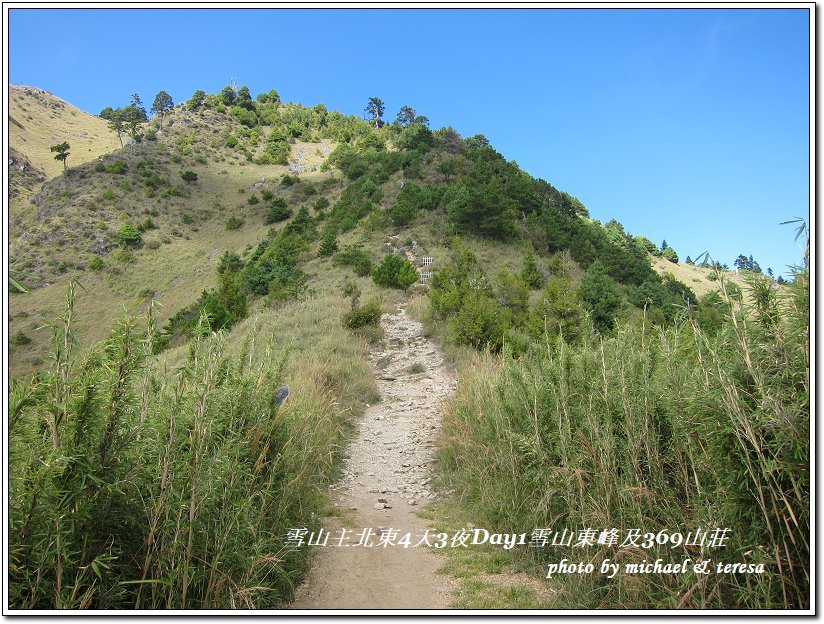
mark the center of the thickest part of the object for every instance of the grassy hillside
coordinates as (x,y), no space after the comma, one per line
(38,120)
(75,219)
(702,280)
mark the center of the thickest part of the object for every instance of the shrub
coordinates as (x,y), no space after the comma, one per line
(321,204)
(266,195)
(602,295)
(357,258)
(328,245)
(151,135)
(670,254)
(252,200)
(95,263)
(288,180)
(303,225)
(107,195)
(234,223)
(123,256)
(363,315)
(146,224)
(196,101)
(128,235)
(19,339)
(278,211)
(395,272)
(481,322)
(512,292)
(229,262)
(188,176)
(153,243)
(402,213)
(531,273)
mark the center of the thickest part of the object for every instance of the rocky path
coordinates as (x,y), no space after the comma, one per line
(387,478)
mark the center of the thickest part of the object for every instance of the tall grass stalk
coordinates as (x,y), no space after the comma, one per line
(134,487)
(653,428)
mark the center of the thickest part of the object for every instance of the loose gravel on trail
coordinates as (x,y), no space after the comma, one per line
(387,477)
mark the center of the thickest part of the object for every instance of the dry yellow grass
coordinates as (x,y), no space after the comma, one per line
(191,235)
(696,277)
(38,120)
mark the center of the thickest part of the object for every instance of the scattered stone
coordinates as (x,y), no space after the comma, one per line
(379,506)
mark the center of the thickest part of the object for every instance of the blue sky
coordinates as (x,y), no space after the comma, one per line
(685,125)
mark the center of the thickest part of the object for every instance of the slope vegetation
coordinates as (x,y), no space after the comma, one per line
(266,228)
(38,120)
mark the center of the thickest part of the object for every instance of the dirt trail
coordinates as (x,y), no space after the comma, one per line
(386,479)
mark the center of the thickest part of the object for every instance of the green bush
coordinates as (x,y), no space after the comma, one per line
(234,223)
(531,272)
(128,235)
(146,224)
(670,254)
(95,263)
(481,322)
(357,258)
(188,176)
(108,195)
(328,245)
(278,211)
(602,295)
(19,339)
(123,256)
(402,213)
(363,315)
(252,200)
(395,272)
